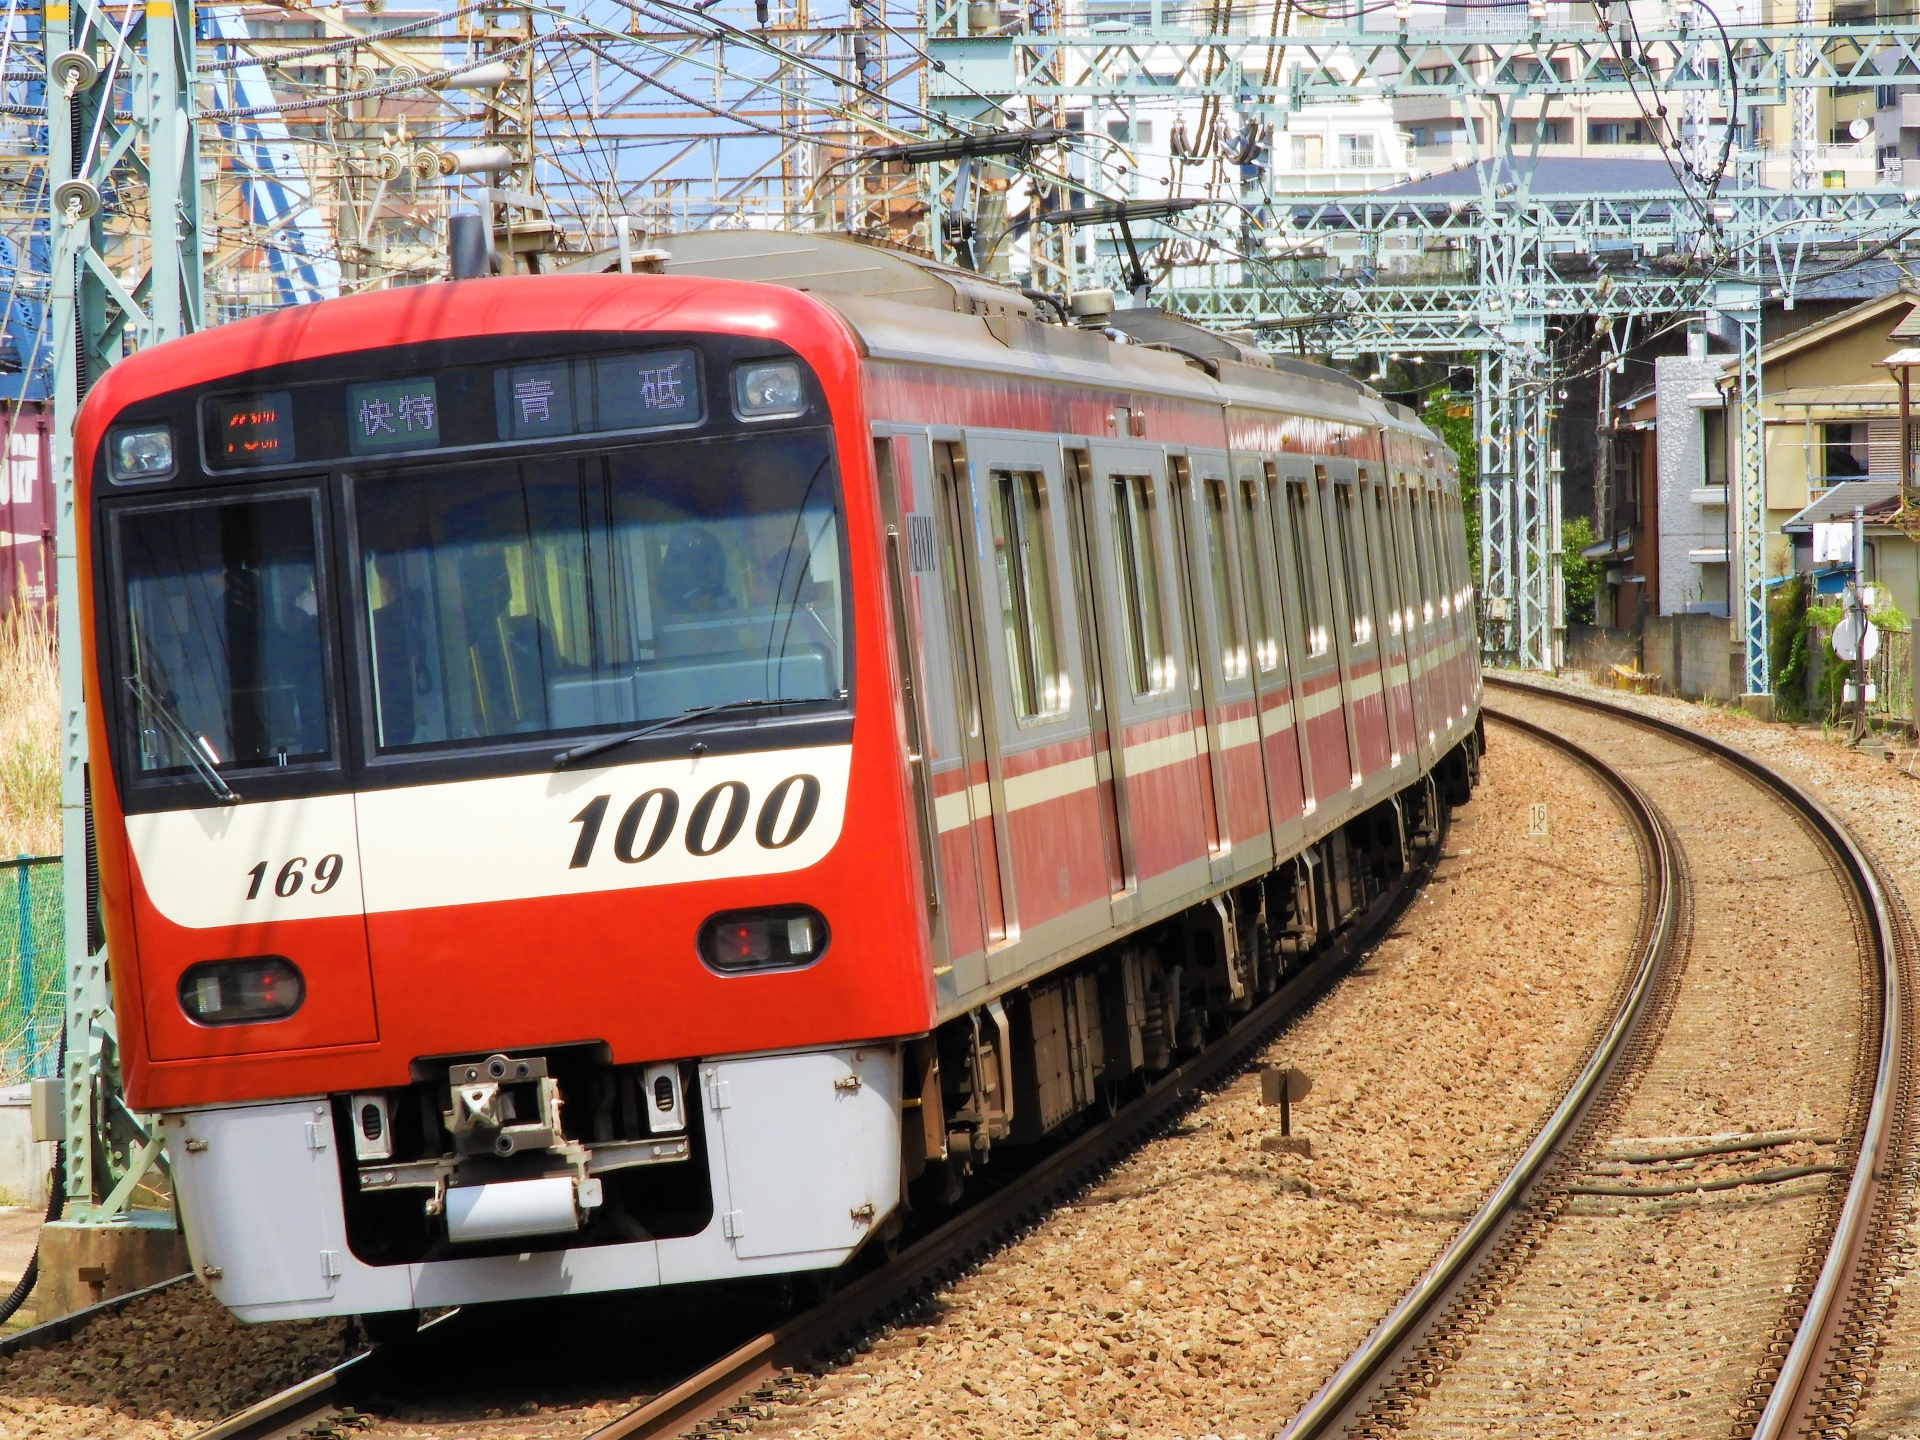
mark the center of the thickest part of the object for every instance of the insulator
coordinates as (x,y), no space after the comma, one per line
(480,77)
(477,161)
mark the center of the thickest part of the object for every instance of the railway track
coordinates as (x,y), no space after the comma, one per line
(758,1372)
(1488,1306)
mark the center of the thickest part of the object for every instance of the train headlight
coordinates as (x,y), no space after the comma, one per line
(739,942)
(241,992)
(768,392)
(141,453)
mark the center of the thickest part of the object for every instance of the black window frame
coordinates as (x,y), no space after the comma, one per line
(184,789)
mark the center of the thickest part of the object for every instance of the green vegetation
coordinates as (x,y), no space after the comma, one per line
(1457,431)
(1787,647)
(1580,576)
(1794,614)
(29,736)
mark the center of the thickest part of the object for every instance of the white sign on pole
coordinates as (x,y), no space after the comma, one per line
(1833,542)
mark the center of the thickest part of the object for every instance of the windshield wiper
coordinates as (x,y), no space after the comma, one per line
(197,756)
(614,742)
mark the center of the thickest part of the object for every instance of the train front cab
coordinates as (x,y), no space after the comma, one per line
(432,1015)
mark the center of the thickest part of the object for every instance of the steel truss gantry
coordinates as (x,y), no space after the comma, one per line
(1490,271)
(123,167)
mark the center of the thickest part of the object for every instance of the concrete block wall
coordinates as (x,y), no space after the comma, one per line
(1691,654)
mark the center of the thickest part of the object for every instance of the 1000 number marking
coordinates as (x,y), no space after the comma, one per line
(293,875)
(716,818)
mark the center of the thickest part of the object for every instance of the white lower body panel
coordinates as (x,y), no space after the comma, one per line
(803,1155)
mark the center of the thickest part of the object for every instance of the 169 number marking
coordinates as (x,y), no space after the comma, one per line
(293,875)
(714,822)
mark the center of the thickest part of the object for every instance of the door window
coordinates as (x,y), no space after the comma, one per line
(1232,632)
(1308,574)
(1137,557)
(1353,578)
(1256,565)
(1023,562)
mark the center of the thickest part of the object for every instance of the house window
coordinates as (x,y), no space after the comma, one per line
(1843,451)
(1616,132)
(1356,151)
(1714,431)
(1306,152)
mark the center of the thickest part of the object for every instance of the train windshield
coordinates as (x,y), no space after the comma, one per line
(507,599)
(223,635)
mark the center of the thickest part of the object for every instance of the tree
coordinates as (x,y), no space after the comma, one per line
(1581,576)
(1457,431)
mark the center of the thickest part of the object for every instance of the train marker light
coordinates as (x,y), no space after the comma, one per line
(768,392)
(738,942)
(145,453)
(241,992)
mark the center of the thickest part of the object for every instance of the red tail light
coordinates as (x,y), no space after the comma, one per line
(783,937)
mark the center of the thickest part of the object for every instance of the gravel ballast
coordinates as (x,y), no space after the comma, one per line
(1207,1287)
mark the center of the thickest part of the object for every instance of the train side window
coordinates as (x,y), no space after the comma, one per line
(1313,602)
(1256,564)
(1023,561)
(1353,578)
(1136,552)
(1233,633)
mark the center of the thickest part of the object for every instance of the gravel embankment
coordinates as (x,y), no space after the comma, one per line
(1207,1287)
(162,1368)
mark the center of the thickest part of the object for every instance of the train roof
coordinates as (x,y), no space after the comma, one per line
(885,293)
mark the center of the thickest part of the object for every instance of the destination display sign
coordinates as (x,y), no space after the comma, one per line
(456,407)
(254,429)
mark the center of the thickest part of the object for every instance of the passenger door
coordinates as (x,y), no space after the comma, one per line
(1215,596)
(1107,736)
(1319,697)
(1263,588)
(1160,785)
(957,725)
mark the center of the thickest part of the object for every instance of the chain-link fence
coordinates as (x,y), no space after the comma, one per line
(33,980)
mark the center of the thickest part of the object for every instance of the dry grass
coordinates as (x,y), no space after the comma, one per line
(29,736)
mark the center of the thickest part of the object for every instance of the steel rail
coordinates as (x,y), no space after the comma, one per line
(1348,1388)
(307,1404)
(1796,1388)
(952,1249)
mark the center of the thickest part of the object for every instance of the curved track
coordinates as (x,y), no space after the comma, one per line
(1815,1363)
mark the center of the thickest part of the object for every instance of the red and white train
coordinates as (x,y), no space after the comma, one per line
(606,781)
